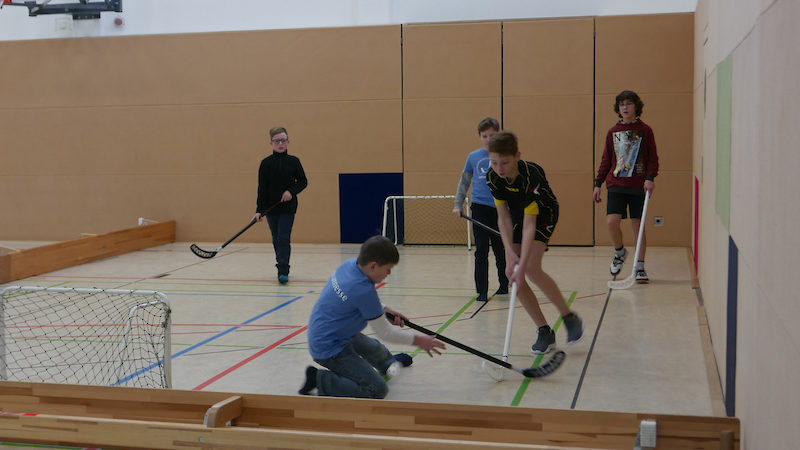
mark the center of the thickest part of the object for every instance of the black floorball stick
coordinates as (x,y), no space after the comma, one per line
(545,369)
(210,254)
(484,226)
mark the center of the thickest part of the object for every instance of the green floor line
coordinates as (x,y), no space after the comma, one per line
(15,444)
(527,381)
(449,321)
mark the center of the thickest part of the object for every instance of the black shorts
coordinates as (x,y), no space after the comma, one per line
(546,222)
(623,202)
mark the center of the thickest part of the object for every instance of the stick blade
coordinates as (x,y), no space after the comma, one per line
(547,368)
(202,253)
(623,284)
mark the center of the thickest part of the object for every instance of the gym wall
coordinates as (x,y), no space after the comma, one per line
(97,132)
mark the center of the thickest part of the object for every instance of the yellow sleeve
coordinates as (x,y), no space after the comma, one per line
(532,209)
(499,202)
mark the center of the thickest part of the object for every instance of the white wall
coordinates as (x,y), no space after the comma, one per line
(761,38)
(197,16)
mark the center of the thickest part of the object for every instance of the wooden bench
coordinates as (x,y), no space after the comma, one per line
(119,417)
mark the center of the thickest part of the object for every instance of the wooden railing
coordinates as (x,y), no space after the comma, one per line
(19,264)
(115,417)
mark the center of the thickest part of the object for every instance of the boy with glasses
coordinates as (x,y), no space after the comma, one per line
(629,167)
(280,179)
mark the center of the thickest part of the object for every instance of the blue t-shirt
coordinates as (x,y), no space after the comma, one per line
(478,165)
(347,302)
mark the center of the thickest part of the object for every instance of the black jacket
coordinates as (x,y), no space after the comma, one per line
(277,173)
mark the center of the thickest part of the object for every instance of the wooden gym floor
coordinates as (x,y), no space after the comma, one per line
(235,329)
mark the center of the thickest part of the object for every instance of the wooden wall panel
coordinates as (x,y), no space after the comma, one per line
(652,55)
(548,103)
(648,53)
(452,60)
(548,57)
(233,67)
(440,133)
(451,80)
(575,209)
(99,168)
(171,127)
(556,145)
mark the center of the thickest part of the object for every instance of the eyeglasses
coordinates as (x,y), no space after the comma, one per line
(280,141)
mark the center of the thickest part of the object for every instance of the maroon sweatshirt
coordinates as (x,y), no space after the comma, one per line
(629,157)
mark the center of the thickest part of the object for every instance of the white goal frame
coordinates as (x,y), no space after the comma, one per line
(407,197)
(121,378)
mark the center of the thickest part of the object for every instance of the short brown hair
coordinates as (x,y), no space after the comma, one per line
(504,143)
(379,249)
(277,130)
(488,122)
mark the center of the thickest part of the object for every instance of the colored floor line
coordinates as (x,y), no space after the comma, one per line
(591,350)
(527,381)
(256,355)
(246,360)
(224,280)
(217,336)
(447,324)
(58,447)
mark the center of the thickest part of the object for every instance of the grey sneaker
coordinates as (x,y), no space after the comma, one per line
(546,342)
(619,259)
(641,276)
(574,326)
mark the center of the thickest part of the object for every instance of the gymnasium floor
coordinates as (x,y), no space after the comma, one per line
(235,329)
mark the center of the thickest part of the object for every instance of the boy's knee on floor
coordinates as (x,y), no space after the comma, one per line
(379,390)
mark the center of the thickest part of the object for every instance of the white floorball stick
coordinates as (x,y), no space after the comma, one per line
(628,282)
(493,370)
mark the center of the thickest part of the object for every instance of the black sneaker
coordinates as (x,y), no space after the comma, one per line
(482,298)
(546,342)
(641,276)
(574,326)
(501,291)
(619,259)
(311,381)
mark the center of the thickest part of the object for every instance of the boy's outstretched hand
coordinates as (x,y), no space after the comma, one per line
(429,343)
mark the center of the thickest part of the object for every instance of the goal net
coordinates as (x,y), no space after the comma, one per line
(85,336)
(424,219)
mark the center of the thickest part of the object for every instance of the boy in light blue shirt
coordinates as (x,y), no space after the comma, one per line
(484,211)
(357,363)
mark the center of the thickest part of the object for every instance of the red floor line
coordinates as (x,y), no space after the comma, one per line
(228,325)
(169,278)
(246,360)
(256,355)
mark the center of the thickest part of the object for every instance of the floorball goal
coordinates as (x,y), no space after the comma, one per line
(85,336)
(424,220)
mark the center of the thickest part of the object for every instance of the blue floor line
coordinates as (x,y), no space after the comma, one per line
(206,341)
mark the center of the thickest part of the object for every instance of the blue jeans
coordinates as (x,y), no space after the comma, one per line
(356,371)
(280,225)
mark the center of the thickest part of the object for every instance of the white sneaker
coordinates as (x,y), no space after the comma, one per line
(392,370)
(619,259)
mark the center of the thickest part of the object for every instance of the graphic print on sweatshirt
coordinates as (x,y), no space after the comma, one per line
(626,148)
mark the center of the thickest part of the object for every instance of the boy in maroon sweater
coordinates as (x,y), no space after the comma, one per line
(628,167)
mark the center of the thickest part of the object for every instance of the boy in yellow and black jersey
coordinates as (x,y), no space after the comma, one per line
(528,193)
(527,213)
